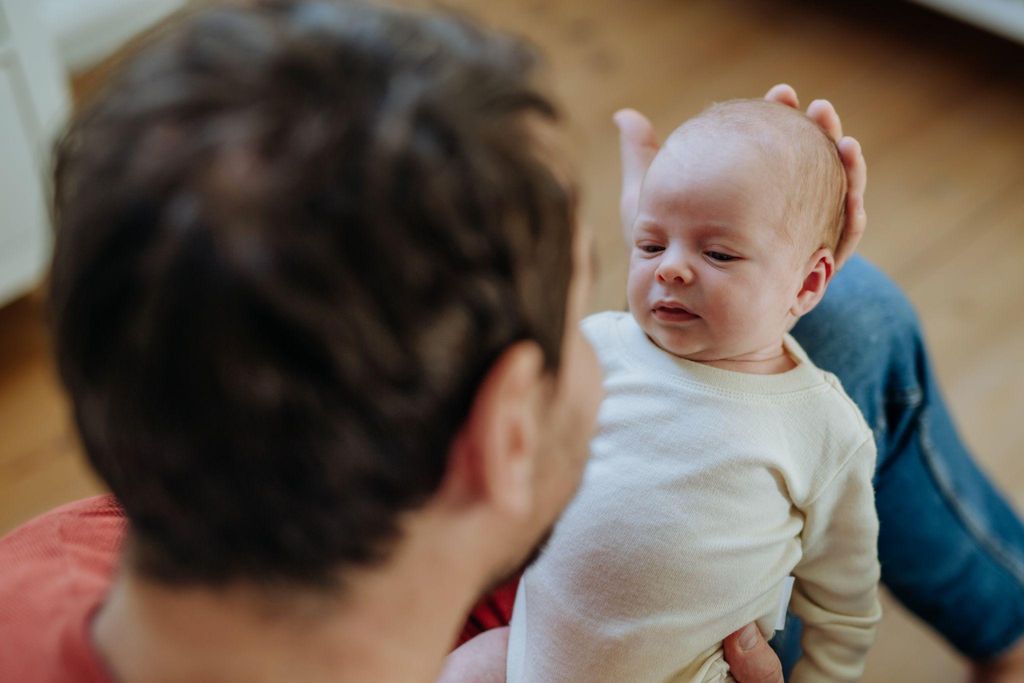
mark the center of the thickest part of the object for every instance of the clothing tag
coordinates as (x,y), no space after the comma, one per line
(784,596)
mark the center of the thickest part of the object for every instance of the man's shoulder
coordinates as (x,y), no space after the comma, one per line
(54,572)
(89,530)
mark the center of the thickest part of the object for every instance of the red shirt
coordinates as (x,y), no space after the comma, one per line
(54,572)
(493,610)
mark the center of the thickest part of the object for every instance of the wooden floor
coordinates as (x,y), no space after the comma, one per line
(938,107)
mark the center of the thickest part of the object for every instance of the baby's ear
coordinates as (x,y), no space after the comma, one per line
(820,268)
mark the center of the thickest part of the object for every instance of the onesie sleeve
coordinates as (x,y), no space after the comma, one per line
(836,591)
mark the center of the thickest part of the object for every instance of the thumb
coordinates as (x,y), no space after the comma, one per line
(637,146)
(750,658)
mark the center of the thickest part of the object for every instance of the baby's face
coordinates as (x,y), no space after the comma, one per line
(713,271)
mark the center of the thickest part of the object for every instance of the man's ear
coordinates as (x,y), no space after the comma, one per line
(820,268)
(493,457)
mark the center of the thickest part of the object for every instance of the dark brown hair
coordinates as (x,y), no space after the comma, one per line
(292,238)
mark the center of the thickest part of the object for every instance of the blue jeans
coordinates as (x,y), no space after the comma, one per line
(951,548)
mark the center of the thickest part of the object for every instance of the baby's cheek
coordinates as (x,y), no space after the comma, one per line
(731,316)
(761,317)
(638,283)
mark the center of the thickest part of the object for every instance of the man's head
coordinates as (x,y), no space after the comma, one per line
(295,241)
(739,215)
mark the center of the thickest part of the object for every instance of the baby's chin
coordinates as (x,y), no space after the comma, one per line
(678,344)
(682,348)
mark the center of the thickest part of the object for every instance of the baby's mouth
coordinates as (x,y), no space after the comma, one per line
(673,313)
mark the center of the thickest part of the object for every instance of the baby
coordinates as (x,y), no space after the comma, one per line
(725,461)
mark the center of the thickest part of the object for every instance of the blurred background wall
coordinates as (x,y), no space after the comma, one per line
(938,105)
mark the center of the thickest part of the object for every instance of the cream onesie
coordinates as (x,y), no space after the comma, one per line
(705,490)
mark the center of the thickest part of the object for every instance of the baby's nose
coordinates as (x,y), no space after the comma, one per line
(674,268)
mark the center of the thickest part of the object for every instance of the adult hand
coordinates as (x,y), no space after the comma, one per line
(824,114)
(480,660)
(638,145)
(750,658)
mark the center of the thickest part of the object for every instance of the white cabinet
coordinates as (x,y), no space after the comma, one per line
(33,106)
(24,228)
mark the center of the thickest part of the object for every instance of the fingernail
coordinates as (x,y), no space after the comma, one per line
(748,637)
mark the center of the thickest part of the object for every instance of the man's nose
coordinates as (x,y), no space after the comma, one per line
(674,267)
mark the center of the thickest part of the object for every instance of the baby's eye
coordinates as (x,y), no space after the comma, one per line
(719,256)
(651,248)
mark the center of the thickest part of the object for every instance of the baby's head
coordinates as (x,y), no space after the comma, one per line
(739,215)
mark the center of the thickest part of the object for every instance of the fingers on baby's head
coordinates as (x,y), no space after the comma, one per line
(806,166)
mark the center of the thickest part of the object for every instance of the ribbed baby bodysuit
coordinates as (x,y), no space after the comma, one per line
(705,490)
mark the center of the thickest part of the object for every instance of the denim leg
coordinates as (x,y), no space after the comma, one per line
(951,548)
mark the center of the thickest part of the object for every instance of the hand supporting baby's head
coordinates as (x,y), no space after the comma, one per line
(739,215)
